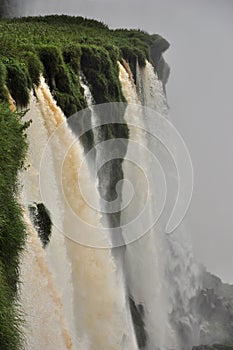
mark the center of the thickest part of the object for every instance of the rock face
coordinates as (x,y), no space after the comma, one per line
(214,308)
(41,220)
(157,49)
(213,347)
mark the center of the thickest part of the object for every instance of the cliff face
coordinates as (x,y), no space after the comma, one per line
(213,347)
(214,306)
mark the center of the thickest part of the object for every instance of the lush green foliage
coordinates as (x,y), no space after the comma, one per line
(10,334)
(18,81)
(60,46)
(12,229)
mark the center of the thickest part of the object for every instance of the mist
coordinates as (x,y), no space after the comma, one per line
(200,96)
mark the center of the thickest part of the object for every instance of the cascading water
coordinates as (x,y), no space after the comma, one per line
(97,304)
(156,265)
(45,326)
(93,303)
(55,259)
(44,315)
(144,258)
(117,252)
(181,272)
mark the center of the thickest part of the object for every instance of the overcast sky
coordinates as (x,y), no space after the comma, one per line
(200,94)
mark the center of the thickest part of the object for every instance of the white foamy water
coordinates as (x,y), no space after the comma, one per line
(181,277)
(55,260)
(83,291)
(144,258)
(45,326)
(92,292)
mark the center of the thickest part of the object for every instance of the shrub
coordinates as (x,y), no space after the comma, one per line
(34,66)
(18,82)
(12,229)
(2,81)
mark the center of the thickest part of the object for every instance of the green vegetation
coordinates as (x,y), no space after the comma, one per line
(18,81)
(60,46)
(12,229)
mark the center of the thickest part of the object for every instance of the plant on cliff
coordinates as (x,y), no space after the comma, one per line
(56,45)
(12,229)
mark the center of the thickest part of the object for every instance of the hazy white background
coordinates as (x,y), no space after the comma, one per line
(200,94)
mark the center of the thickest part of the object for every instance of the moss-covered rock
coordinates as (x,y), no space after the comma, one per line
(62,71)
(18,81)
(42,222)
(101,74)
(34,66)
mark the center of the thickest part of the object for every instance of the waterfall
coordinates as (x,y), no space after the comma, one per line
(144,258)
(87,92)
(44,326)
(117,253)
(83,290)
(91,289)
(55,267)
(181,272)
(150,89)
